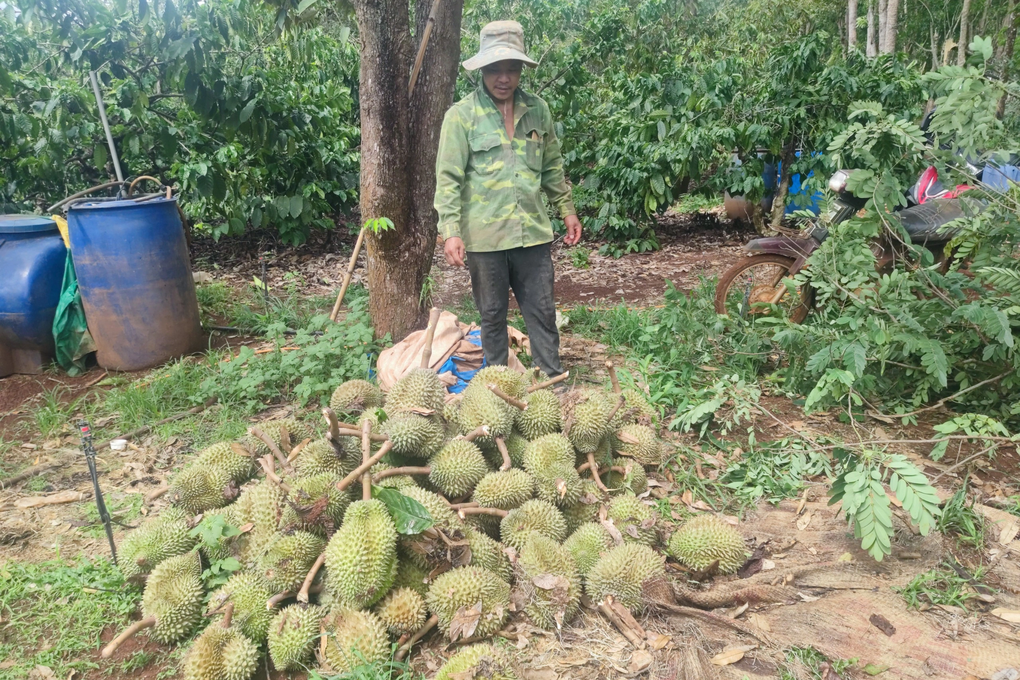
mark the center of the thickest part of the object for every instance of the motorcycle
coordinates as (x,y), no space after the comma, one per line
(755,285)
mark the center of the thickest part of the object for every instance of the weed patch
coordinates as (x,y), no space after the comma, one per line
(941,585)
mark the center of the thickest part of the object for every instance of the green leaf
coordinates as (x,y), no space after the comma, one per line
(873,669)
(305,4)
(247,111)
(205,185)
(296,204)
(99,157)
(409,516)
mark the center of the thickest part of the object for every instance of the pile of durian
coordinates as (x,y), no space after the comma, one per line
(533,497)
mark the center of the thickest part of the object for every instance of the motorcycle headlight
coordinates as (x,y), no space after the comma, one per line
(837,182)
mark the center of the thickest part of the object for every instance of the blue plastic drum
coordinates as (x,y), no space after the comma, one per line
(135,280)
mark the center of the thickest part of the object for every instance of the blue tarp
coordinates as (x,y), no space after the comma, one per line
(463,377)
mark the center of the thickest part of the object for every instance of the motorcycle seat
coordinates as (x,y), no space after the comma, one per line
(923,222)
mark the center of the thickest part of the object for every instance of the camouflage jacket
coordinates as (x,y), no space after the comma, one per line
(488,188)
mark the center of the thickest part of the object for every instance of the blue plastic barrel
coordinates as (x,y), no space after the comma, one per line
(32,258)
(135,280)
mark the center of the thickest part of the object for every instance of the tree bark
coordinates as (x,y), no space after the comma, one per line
(889,26)
(934,46)
(872,49)
(851,24)
(399,142)
(961,48)
(786,172)
(880,26)
(1007,54)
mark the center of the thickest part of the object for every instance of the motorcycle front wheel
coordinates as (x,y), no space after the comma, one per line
(754,287)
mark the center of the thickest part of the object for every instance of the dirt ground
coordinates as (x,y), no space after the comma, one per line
(831,596)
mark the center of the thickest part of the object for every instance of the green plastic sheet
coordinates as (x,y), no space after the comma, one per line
(70,329)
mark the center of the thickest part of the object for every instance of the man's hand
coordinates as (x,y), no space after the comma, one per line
(454,250)
(573,226)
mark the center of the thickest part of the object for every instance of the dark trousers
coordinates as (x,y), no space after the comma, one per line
(529,271)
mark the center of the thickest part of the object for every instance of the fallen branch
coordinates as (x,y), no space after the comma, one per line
(709,617)
(296,451)
(156,494)
(938,404)
(302,595)
(268,441)
(963,462)
(406,647)
(26,473)
(351,431)
(550,382)
(507,463)
(461,506)
(607,610)
(619,404)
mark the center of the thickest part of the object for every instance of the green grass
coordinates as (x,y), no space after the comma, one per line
(54,414)
(960,520)
(811,659)
(941,585)
(54,612)
(390,669)
(251,311)
(693,203)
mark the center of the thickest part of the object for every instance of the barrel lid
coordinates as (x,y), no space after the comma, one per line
(128,203)
(26,224)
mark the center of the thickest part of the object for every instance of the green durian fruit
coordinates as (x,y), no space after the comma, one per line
(402,610)
(353,397)
(159,537)
(221,654)
(621,573)
(533,515)
(457,468)
(394,482)
(488,553)
(419,389)
(229,457)
(200,489)
(173,597)
(550,462)
(410,575)
(504,490)
(451,415)
(249,592)
(603,454)
(314,505)
(587,412)
(637,409)
(296,431)
(705,539)
(231,546)
(586,509)
(587,544)
(549,581)
(412,435)
(287,558)
(467,587)
(293,633)
(543,416)
(480,406)
(515,446)
(634,519)
(639,443)
(416,548)
(633,478)
(481,662)
(320,457)
(511,382)
(353,638)
(361,558)
(261,506)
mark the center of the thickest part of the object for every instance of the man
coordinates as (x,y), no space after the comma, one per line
(497,153)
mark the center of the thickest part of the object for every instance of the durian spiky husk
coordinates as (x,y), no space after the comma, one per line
(550,462)
(481,662)
(402,610)
(413,435)
(621,573)
(587,411)
(419,389)
(249,592)
(296,430)
(199,489)
(505,378)
(637,409)
(540,559)
(361,558)
(634,519)
(321,457)
(504,490)
(353,397)
(221,654)
(705,539)
(586,509)
(466,587)
(488,553)
(410,575)
(480,406)
(587,544)
(287,557)
(173,596)
(320,506)
(543,416)
(634,479)
(533,515)
(228,457)
(293,633)
(159,537)
(457,468)
(640,443)
(353,638)
(261,506)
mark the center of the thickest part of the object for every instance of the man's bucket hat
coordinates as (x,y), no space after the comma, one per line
(500,41)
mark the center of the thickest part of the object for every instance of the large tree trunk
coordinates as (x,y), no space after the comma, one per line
(889,26)
(851,24)
(398,150)
(961,48)
(872,48)
(789,155)
(1007,54)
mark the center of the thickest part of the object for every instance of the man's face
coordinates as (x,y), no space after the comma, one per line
(502,78)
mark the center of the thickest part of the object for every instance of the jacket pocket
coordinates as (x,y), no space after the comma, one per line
(534,145)
(486,153)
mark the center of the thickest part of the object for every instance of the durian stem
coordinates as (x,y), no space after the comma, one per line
(286,595)
(366,450)
(461,506)
(507,463)
(430,334)
(394,472)
(156,494)
(480,431)
(296,451)
(516,403)
(302,595)
(619,404)
(256,432)
(495,512)
(286,445)
(364,467)
(272,476)
(228,615)
(406,647)
(332,423)
(109,649)
(351,431)
(612,377)
(594,467)
(549,383)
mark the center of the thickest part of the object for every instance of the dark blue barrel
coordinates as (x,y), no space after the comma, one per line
(135,280)
(32,257)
